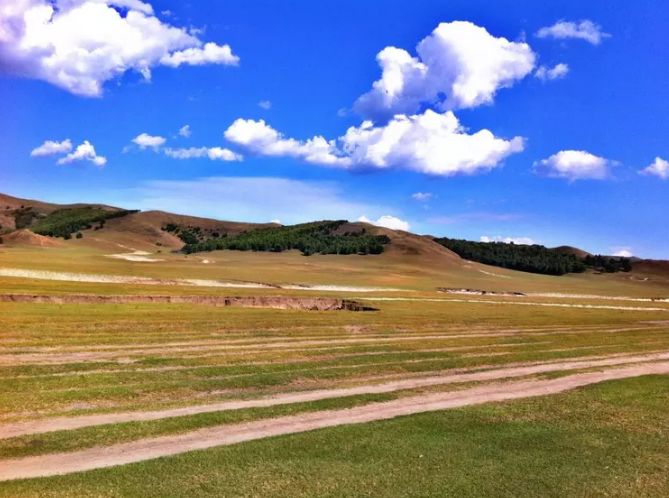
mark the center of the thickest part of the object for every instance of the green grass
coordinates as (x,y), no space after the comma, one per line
(605,440)
(528,448)
(262,370)
(117,433)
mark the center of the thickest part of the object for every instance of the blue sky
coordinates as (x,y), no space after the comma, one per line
(576,114)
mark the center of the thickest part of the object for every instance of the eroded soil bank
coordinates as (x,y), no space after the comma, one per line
(274,302)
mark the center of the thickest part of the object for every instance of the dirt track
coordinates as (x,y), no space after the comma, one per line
(518,303)
(77,422)
(147,449)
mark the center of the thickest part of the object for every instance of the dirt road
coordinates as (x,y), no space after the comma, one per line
(147,449)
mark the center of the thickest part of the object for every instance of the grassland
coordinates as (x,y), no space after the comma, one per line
(67,361)
(605,440)
(393,268)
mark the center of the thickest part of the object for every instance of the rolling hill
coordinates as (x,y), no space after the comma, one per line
(122,241)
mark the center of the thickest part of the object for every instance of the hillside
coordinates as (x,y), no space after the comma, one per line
(573,251)
(153,243)
(48,218)
(25,237)
(147,228)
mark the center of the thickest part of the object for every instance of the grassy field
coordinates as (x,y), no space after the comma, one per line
(605,440)
(393,269)
(64,362)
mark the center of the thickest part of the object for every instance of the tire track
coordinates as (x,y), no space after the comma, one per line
(151,448)
(78,422)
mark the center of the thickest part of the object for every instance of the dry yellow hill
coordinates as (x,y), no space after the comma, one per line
(25,237)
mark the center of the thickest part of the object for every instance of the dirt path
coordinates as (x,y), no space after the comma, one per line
(151,448)
(77,422)
(517,303)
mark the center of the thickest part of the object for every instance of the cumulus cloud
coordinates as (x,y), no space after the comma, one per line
(213,153)
(144,140)
(260,138)
(430,143)
(265,104)
(211,53)
(78,45)
(582,30)
(545,73)
(422,196)
(574,165)
(659,168)
(623,252)
(184,131)
(50,148)
(84,152)
(524,241)
(459,65)
(387,221)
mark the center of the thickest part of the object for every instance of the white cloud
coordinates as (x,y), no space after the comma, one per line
(659,168)
(524,241)
(582,30)
(213,153)
(545,73)
(211,53)
(265,104)
(623,252)
(50,147)
(78,45)
(144,140)
(248,199)
(260,138)
(422,196)
(84,152)
(459,65)
(430,143)
(574,165)
(387,221)
(184,131)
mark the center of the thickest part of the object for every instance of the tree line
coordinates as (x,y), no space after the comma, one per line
(320,237)
(532,258)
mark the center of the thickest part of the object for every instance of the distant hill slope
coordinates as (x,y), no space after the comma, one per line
(536,258)
(654,267)
(25,237)
(8,202)
(569,250)
(48,218)
(147,227)
(155,231)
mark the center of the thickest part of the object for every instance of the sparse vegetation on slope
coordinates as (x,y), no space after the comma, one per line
(65,222)
(320,237)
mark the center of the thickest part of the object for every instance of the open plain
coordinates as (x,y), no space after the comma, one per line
(116,371)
